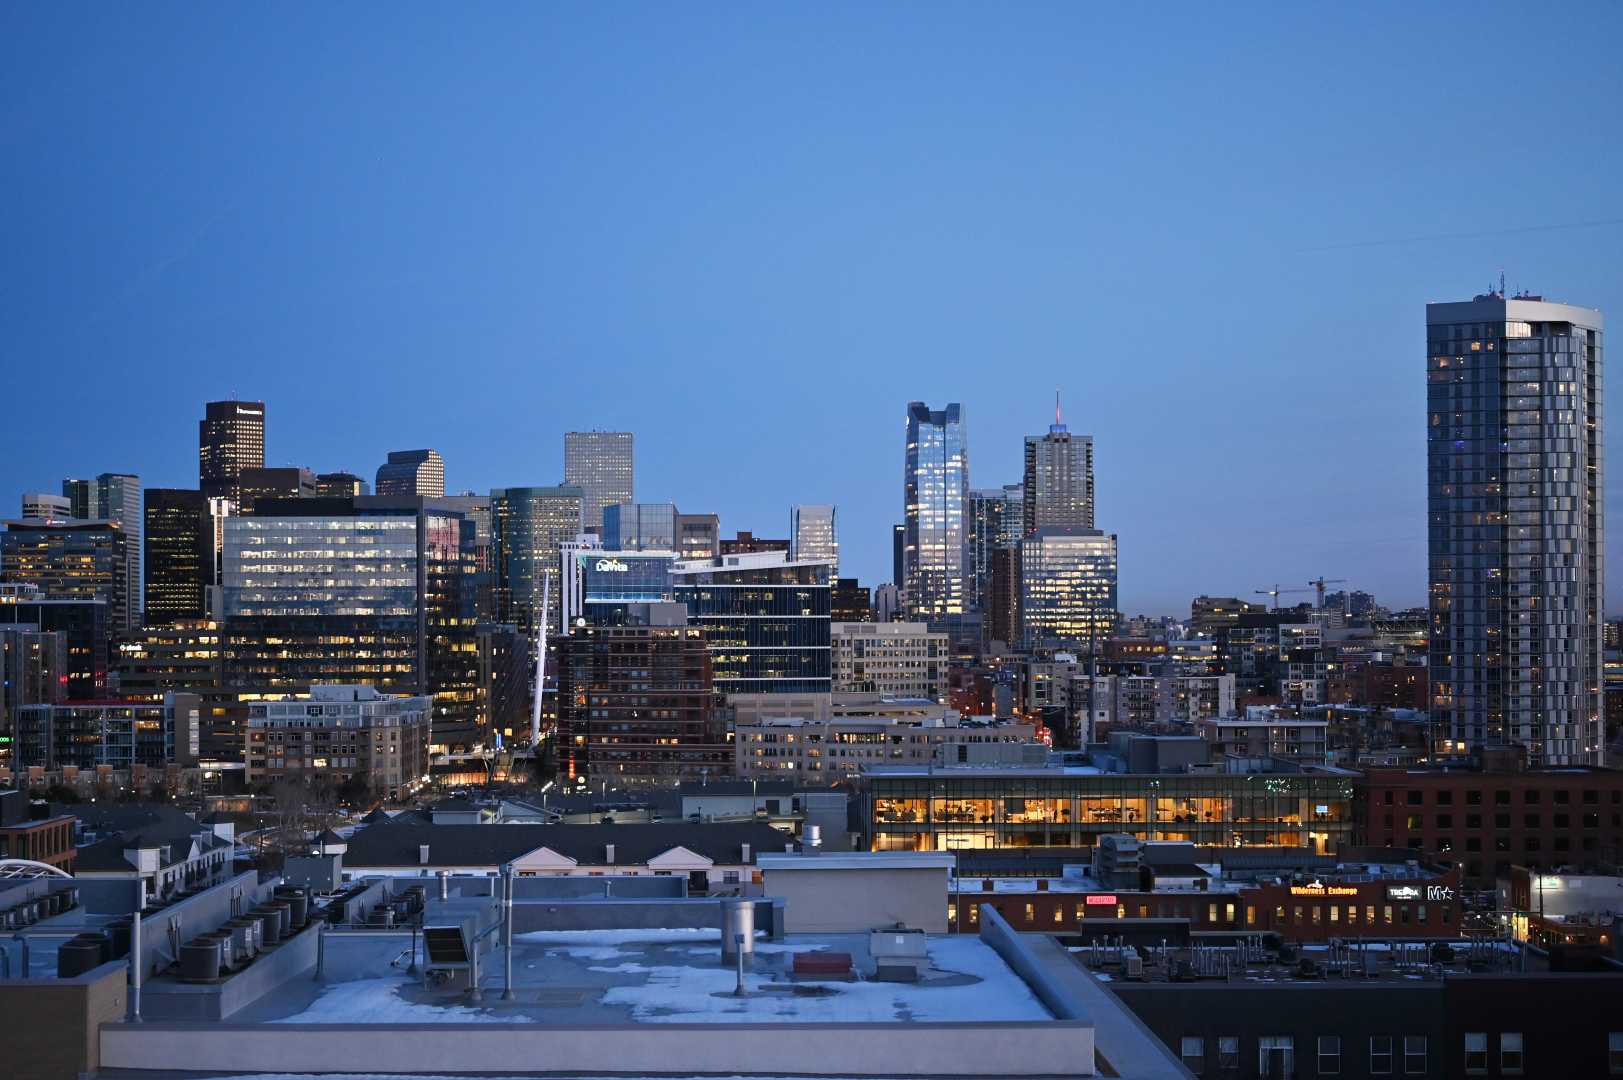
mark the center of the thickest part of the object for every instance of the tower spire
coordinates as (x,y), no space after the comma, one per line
(1056,405)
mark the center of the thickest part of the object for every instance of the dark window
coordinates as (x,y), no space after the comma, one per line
(1445,821)
(1533,821)
(1473,843)
(1416,797)
(1501,798)
(1591,821)
(1529,796)
(1591,797)
(1473,821)
(1501,821)
(1562,795)
(1473,797)
(1562,821)
(1445,798)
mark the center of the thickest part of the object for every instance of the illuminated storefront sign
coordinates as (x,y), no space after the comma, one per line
(1108,900)
(1402,892)
(612,566)
(1319,888)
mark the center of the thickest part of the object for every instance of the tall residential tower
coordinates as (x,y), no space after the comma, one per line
(1515,452)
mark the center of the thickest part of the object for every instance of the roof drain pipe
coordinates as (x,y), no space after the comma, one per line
(507,919)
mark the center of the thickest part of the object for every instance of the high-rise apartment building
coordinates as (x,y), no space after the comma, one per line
(230,438)
(179,556)
(529,526)
(812,535)
(412,472)
(936,500)
(600,464)
(1067,588)
(1515,462)
(1058,486)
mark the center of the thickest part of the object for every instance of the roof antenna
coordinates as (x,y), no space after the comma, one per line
(1056,406)
(1501,283)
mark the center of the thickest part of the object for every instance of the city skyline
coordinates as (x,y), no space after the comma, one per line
(1099,193)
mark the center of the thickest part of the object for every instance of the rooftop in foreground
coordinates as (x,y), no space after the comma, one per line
(651,977)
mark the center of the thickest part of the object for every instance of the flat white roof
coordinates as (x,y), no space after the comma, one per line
(858,860)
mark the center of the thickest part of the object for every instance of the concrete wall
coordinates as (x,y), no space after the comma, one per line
(840,901)
(634,914)
(1045,1049)
(1051,991)
(173,1000)
(52,1025)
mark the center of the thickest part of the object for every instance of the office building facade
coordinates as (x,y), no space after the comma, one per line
(640,527)
(412,472)
(996,520)
(85,623)
(41,506)
(600,464)
(1516,463)
(936,500)
(230,438)
(1058,486)
(282,482)
(340,485)
(71,560)
(528,528)
(698,536)
(1067,588)
(179,556)
(765,618)
(898,659)
(747,543)
(365,590)
(114,497)
(813,535)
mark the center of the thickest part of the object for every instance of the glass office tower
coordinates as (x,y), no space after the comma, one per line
(1067,588)
(230,438)
(412,472)
(936,501)
(179,556)
(600,464)
(528,528)
(766,621)
(812,535)
(114,497)
(640,527)
(995,521)
(1515,493)
(368,590)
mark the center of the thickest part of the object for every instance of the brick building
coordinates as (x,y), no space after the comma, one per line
(1486,820)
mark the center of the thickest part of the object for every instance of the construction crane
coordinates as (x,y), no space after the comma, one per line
(1321,583)
(1275,591)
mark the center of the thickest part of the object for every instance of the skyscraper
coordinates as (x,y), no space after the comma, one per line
(179,556)
(600,464)
(362,590)
(898,555)
(39,505)
(1058,487)
(528,528)
(230,438)
(70,560)
(936,500)
(412,472)
(1515,491)
(340,485)
(118,499)
(812,535)
(996,520)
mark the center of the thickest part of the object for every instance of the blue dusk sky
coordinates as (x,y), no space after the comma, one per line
(752,233)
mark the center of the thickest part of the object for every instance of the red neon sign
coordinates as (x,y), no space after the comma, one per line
(1101,901)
